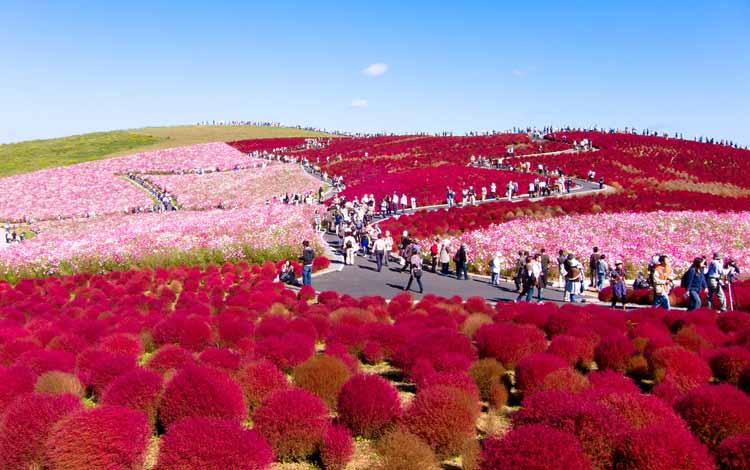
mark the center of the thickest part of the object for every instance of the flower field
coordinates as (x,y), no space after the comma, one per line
(222,368)
(631,237)
(96,187)
(116,241)
(233,189)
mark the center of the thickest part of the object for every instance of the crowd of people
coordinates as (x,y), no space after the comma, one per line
(163,201)
(12,235)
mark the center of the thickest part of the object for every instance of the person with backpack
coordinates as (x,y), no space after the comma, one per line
(601,272)
(307,258)
(379,248)
(593,263)
(445,257)
(350,244)
(405,250)
(714,274)
(528,280)
(663,277)
(694,281)
(415,272)
(434,252)
(573,277)
(617,282)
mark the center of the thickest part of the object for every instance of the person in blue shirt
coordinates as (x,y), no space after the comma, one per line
(714,274)
(695,283)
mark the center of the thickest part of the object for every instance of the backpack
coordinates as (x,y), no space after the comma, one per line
(349,244)
(685,279)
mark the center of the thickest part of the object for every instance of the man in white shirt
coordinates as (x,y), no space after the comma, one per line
(379,247)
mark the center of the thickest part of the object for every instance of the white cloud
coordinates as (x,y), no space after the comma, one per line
(519,73)
(359,103)
(375,70)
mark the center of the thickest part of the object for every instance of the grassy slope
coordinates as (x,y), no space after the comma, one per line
(33,155)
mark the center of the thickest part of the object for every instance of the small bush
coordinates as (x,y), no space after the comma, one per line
(508,343)
(14,381)
(734,453)
(684,369)
(715,412)
(471,455)
(337,449)
(727,363)
(102,437)
(27,423)
(610,380)
(169,357)
(613,352)
(221,358)
(59,383)
(97,368)
(139,389)
(259,380)
(578,352)
(294,421)
(287,351)
(40,361)
(401,450)
(197,443)
(639,410)
(324,376)
(202,391)
(444,417)
(487,373)
(532,370)
(661,447)
(566,380)
(534,446)
(369,405)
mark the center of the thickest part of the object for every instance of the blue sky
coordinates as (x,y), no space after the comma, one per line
(72,67)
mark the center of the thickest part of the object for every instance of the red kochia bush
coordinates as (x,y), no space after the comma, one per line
(368,404)
(13,382)
(734,453)
(103,437)
(639,410)
(684,369)
(532,370)
(139,389)
(98,368)
(202,391)
(727,363)
(613,352)
(338,448)
(212,444)
(508,343)
(170,356)
(535,447)
(259,380)
(26,424)
(294,421)
(577,351)
(444,417)
(715,412)
(661,447)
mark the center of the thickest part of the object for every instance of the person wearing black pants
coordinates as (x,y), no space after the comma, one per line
(415,272)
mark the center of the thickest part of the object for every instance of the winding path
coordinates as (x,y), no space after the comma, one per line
(362,278)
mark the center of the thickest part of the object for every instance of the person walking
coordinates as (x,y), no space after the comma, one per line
(495,266)
(350,247)
(573,277)
(445,257)
(307,258)
(434,254)
(714,274)
(528,280)
(415,272)
(379,247)
(593,263)
(694,281)
(561,258)
(461,261)
(617,282)
(662,283)
(538,267)
(601,272)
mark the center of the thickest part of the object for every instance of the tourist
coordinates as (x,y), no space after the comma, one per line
(493,191)
(388,247)
(287,274)
(714,274)
(405,250)
(434,254)
(308,256)
(415,272)
(541,265)
(640,282)
(593,263)
(495,266)
(413,203)
(445,257)
(694,281)
(318,221)
(404,202)
(573,277)
(350,247)
(528,280)
(561,258)
(461,260)
(379,247)
(601,272)
(518,271)
(662,283)
(617,282)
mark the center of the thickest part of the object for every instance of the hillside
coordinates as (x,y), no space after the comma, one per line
(23,157)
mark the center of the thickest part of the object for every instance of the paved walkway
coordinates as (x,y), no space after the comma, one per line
(362,278)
